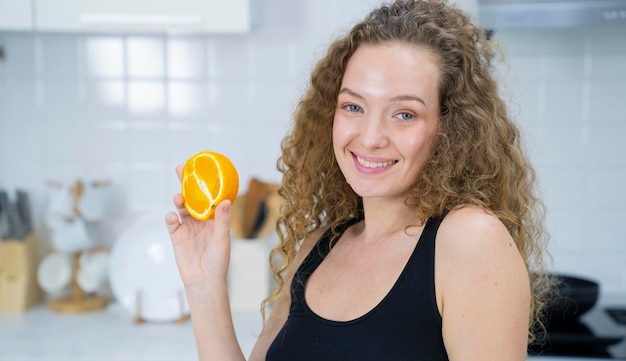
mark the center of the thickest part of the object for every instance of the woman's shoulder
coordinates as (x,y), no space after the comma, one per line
(470,234)
(481,283)
(471,221)
(476,255)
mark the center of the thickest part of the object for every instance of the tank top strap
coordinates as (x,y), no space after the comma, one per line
(421,264)
(316,256)
(430,232)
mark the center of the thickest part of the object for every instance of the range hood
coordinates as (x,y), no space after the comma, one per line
(551,14)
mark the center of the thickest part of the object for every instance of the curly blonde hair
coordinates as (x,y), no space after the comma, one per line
(477,157)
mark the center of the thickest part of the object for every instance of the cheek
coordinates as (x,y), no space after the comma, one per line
(337,137)
(415,144)
(420,147)
(424,139)
(340,131)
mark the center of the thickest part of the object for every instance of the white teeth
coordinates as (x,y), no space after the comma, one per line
(369,164)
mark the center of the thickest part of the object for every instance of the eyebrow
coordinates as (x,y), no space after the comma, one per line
(395,99)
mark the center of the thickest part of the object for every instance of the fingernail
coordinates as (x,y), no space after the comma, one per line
(227,208)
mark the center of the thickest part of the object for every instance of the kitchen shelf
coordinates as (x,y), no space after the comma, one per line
(144,16)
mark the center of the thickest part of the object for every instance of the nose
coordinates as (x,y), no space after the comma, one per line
(374,132)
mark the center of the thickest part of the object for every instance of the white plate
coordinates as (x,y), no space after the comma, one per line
(143,274)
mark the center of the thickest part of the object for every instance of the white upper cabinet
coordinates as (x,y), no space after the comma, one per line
(223,16)
(16,15)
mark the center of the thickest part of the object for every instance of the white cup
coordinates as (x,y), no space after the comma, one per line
(60,206)
(95,202)
(93,271)
(71,236)
(54,273)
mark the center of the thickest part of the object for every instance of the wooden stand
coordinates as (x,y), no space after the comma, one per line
(78,302)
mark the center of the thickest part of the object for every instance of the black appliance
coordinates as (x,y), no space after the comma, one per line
(578,327)
(595,335)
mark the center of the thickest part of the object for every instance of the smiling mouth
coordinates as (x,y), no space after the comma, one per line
(368,164)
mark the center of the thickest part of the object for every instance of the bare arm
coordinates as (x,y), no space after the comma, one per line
(483,288)
(202,251)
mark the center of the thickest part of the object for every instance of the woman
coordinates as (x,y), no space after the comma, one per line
(409,229)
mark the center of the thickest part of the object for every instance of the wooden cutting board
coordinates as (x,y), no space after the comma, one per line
(254,205)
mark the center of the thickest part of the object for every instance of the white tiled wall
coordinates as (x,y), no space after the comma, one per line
(569,91)
(128,108)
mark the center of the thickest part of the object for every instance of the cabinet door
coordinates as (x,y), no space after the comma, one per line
(143,15)
(16,15)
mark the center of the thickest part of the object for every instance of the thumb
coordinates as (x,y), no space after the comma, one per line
(222,220)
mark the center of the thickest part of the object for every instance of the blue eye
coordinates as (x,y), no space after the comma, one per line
(405,116)
(352,108)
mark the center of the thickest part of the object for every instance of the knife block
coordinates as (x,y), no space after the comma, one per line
(18,274)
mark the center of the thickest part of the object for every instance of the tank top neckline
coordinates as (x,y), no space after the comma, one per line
(379,305)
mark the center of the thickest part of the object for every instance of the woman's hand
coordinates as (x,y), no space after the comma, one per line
(201,248)
(202,251)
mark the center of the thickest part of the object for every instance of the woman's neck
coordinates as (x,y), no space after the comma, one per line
(383,218)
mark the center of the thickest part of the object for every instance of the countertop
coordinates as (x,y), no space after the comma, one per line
(111,334)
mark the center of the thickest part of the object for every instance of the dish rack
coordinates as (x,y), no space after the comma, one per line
(79,301)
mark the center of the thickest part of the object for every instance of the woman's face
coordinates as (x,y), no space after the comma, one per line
(386,118)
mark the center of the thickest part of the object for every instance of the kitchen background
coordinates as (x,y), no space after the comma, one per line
(129,107)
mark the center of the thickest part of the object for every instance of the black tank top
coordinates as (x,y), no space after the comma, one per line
(405,325)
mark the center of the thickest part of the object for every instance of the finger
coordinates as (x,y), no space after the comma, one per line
(222,220)
(172,222)
(179,172)
(178,200)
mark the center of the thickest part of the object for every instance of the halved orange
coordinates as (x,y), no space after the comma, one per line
(208,178)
